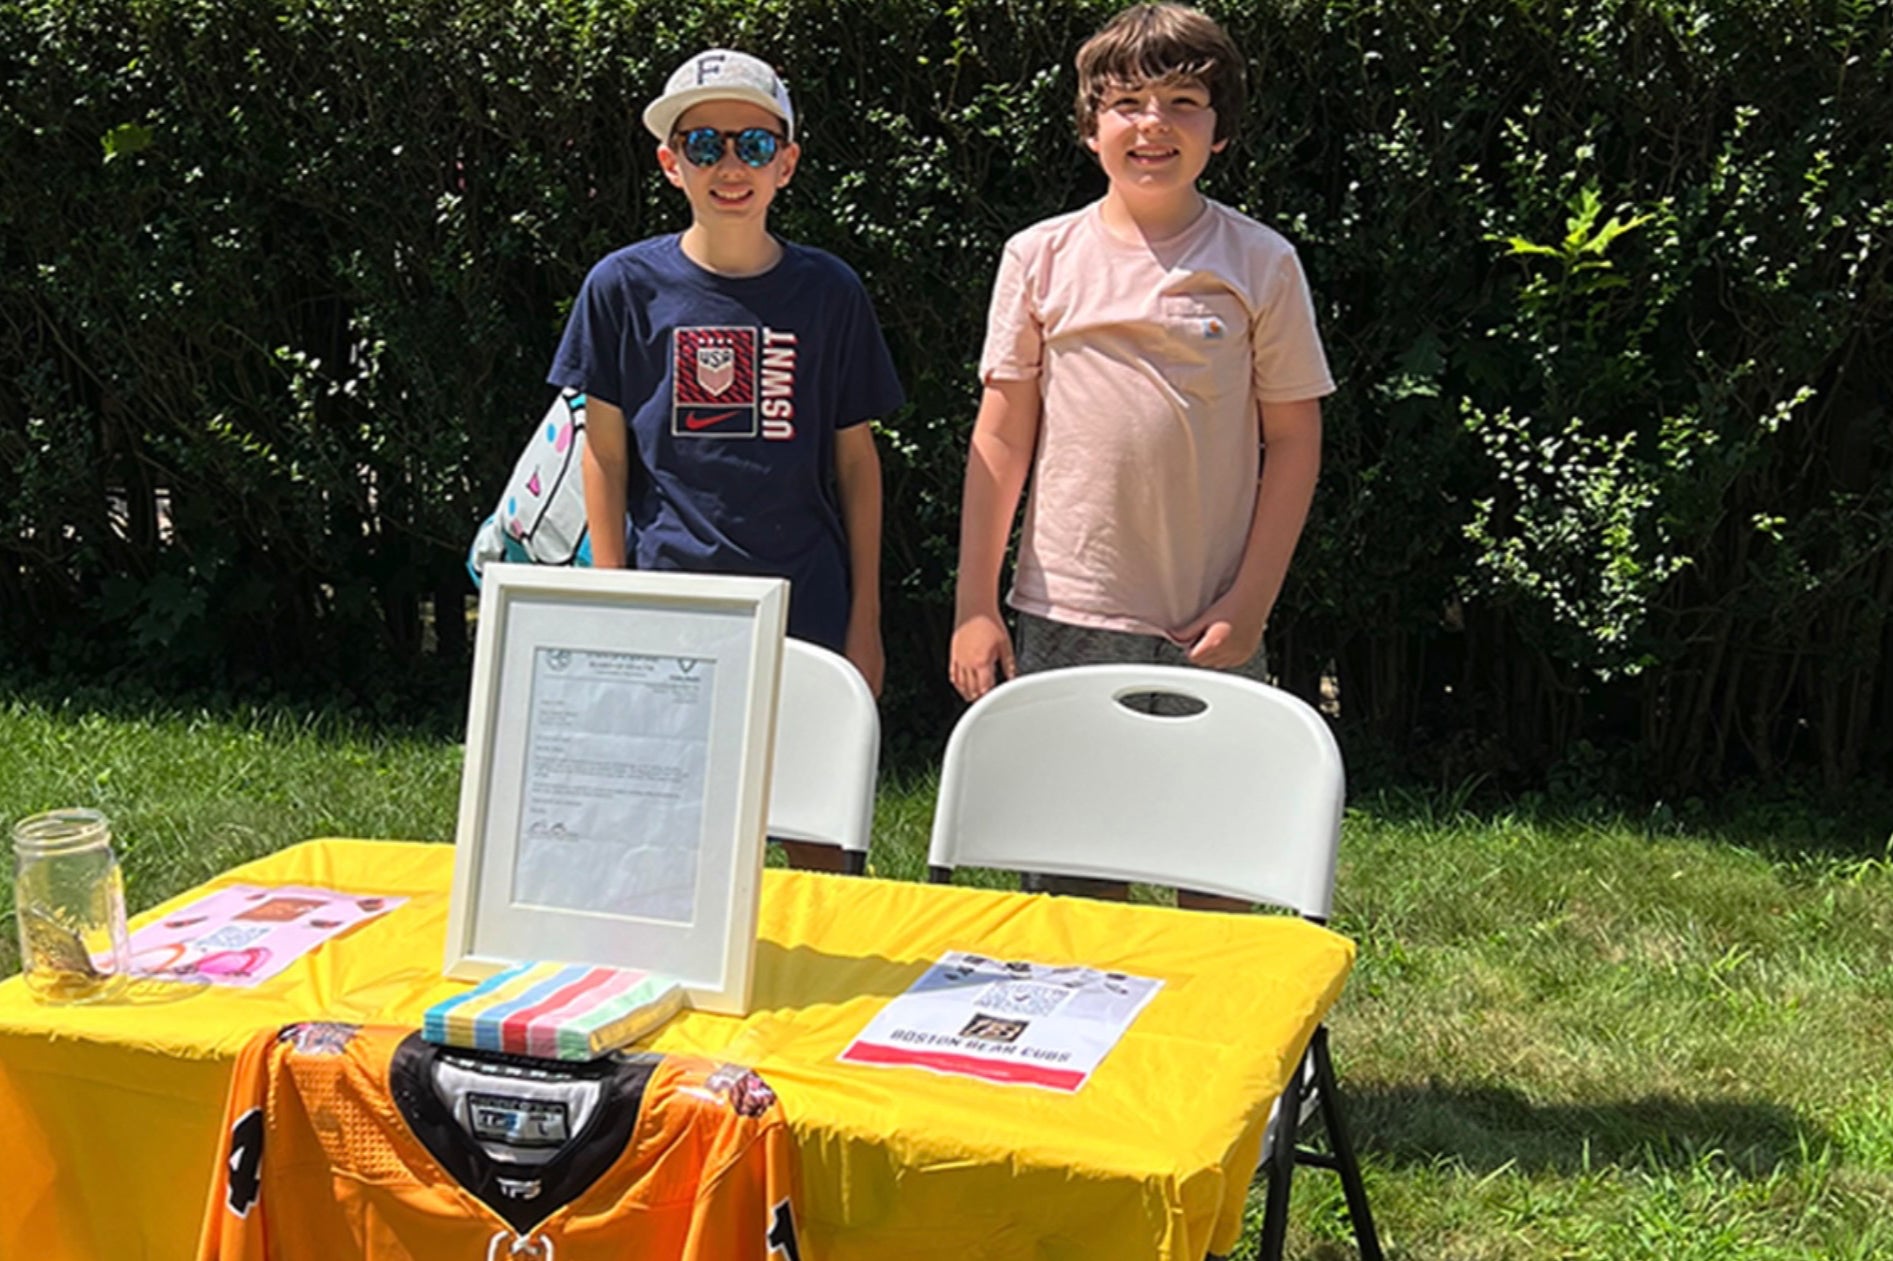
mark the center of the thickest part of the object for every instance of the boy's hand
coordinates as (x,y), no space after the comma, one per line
(864,651)
(981,656)
(1225,635)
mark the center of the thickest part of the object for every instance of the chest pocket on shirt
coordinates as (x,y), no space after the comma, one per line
(1208,340)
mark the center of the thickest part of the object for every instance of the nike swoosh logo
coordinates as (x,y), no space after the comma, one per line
(704,422)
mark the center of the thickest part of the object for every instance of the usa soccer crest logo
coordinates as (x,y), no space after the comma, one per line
(714,383)
(716,368)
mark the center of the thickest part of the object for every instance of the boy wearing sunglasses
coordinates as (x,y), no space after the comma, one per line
(731,376)
(1140,354)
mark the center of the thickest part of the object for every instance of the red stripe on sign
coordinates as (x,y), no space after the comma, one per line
(966,1065)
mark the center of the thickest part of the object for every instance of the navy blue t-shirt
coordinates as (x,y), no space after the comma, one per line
(732,390)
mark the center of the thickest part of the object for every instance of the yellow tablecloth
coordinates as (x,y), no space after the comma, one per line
(108,1114)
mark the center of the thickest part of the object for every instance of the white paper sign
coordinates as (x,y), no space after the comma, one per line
(611,817)
(1031,1024)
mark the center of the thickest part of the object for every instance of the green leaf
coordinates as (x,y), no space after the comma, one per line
(125,140)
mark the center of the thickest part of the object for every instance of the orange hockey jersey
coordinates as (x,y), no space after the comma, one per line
(360,1142)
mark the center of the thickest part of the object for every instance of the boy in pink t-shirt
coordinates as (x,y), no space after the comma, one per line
(1140,353)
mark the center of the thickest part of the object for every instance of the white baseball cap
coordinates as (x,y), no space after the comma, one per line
(719,75)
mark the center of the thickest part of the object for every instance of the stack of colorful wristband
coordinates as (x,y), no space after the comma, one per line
(554,1011)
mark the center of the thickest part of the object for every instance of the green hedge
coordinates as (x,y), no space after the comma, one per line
(1608,484)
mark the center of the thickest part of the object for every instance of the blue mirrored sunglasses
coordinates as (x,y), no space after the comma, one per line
(705,146)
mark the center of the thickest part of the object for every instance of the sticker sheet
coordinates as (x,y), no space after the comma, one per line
(243,934)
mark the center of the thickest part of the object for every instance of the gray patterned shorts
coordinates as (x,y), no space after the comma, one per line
(1047,645)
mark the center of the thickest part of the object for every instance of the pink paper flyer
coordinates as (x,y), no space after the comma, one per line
(247,933)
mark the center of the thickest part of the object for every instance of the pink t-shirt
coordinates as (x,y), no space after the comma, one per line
(1151,359)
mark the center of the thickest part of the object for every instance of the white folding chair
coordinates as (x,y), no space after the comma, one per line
(1067,772)
(828,749)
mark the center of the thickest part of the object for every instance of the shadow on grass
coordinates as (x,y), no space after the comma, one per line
(1788,821)
(428,703)
(1485,1128)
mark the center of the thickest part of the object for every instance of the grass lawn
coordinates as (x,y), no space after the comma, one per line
(1570,1034)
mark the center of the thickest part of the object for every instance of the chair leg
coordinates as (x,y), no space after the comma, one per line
(1345,1163)
(1281,1170)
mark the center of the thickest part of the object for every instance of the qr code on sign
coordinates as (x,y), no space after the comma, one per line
(1022,998)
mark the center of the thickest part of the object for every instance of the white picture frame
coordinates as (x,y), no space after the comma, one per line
(613,797)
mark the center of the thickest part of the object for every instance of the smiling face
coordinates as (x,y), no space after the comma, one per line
(729,195)
(1154,138)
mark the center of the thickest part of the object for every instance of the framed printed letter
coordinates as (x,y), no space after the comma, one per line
(616,779)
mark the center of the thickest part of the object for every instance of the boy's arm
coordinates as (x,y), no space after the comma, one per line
(606,468)
(858,482)
(1229,631)
(1005,434)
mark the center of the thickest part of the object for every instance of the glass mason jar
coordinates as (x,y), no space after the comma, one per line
(69,896)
